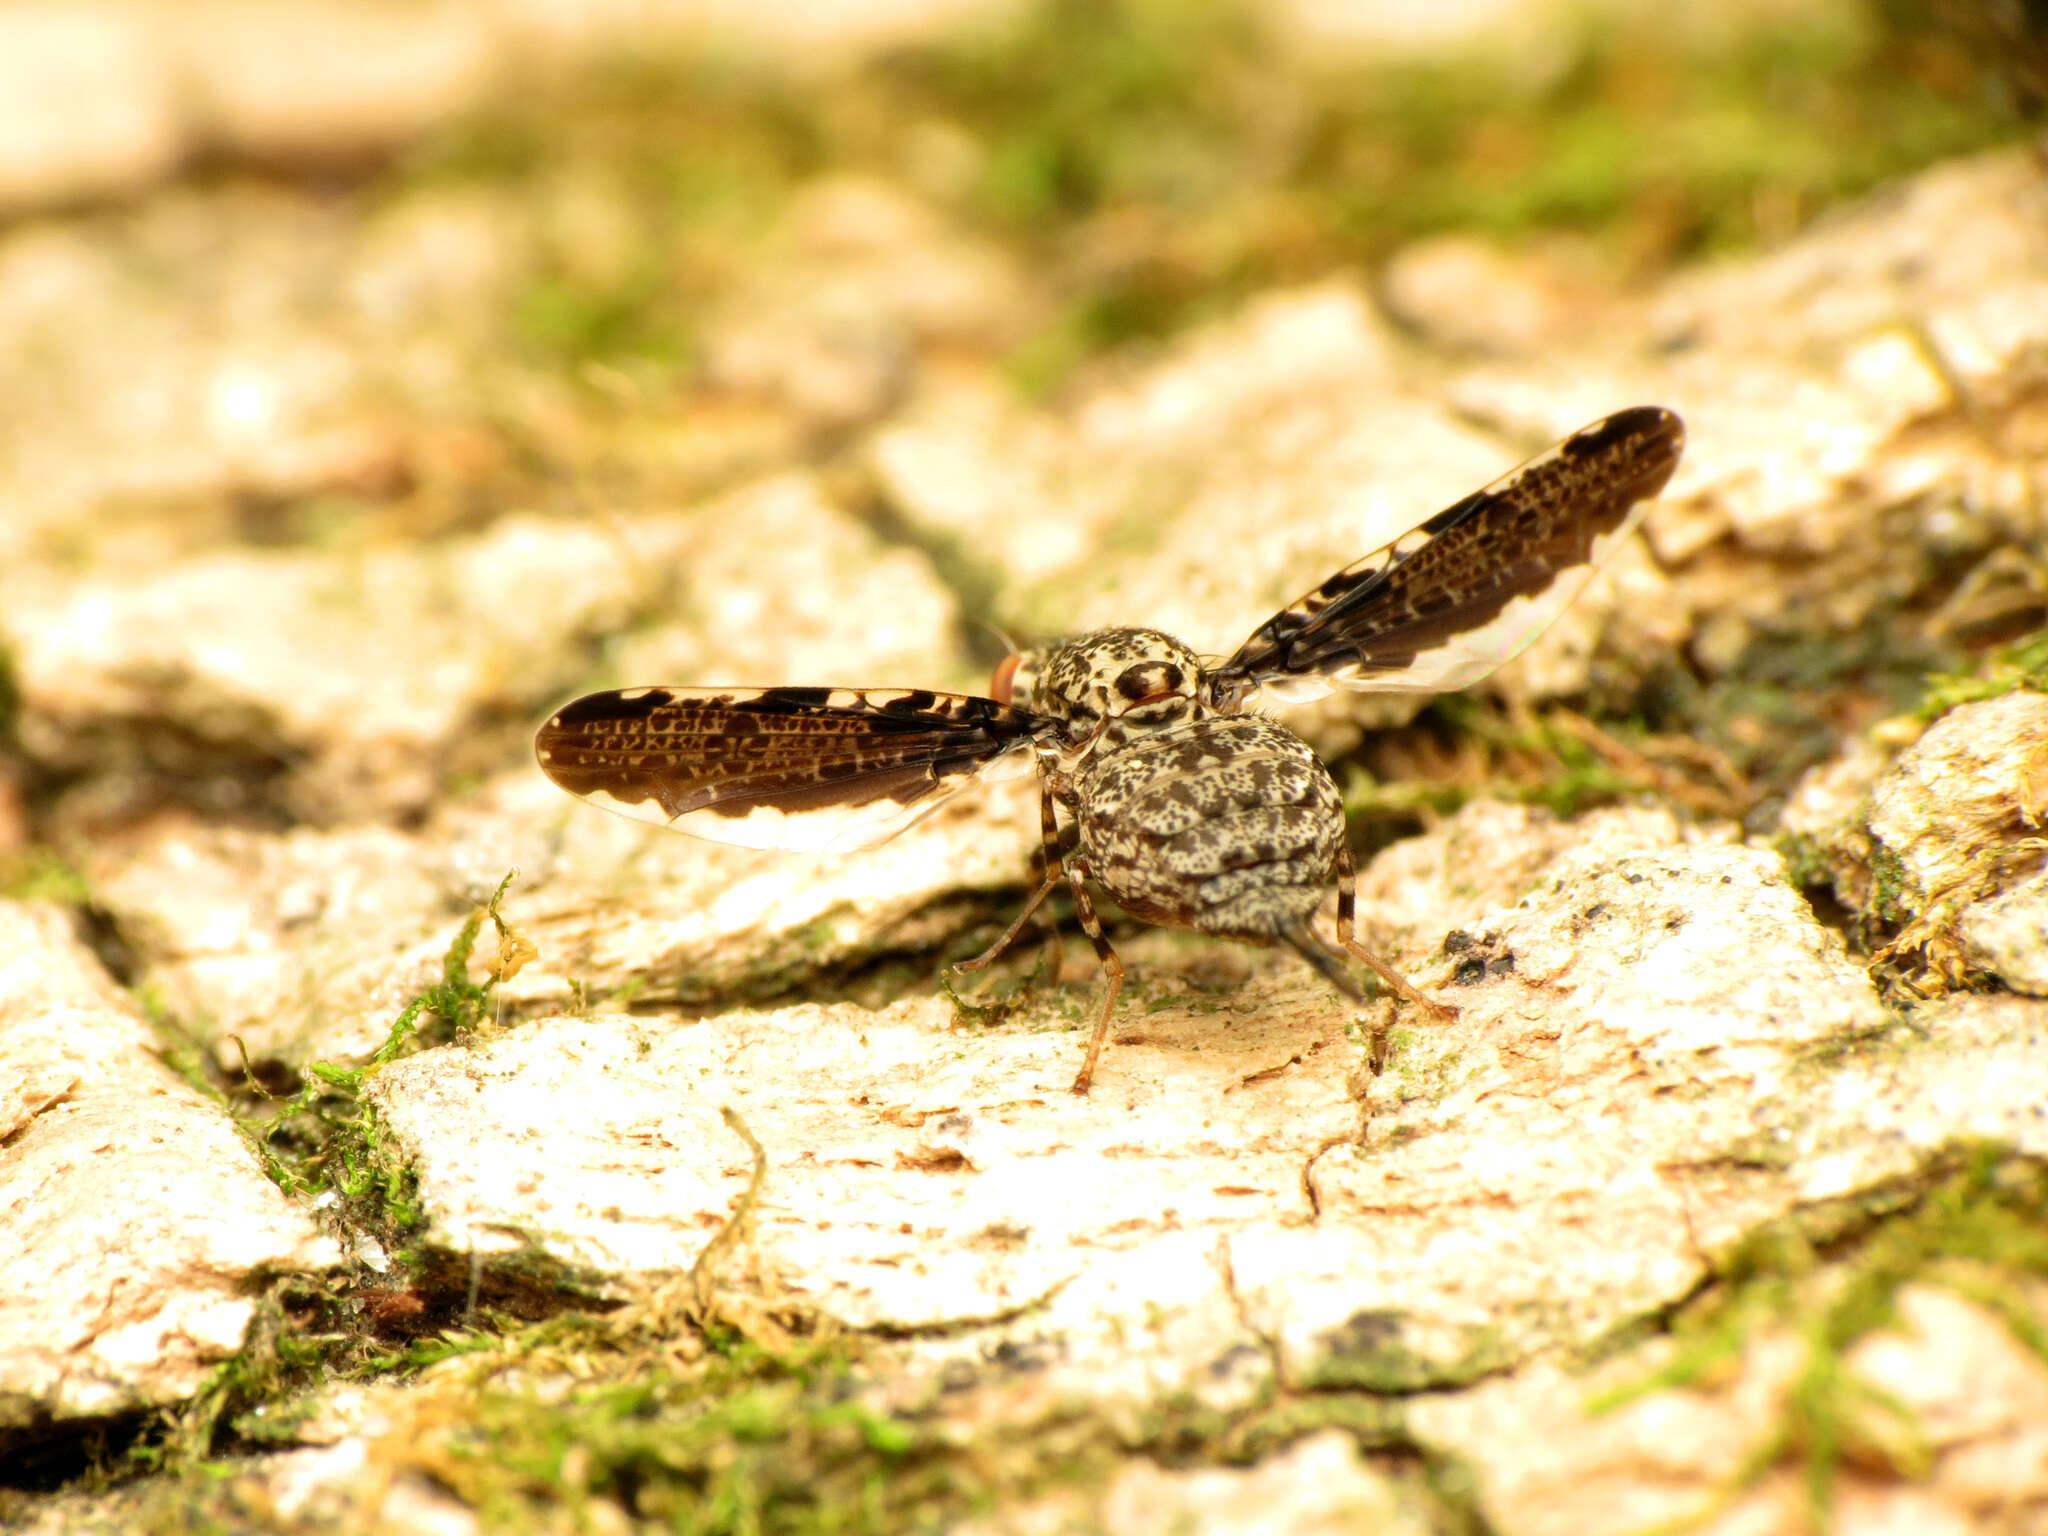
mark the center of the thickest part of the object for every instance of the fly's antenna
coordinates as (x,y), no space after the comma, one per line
(1010,647)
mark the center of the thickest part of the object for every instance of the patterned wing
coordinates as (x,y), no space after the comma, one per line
(818,769)
(1449,601)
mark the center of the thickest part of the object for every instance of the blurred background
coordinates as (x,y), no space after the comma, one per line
(301,285)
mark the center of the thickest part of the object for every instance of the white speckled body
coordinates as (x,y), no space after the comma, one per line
(1227,824)
(1186,815)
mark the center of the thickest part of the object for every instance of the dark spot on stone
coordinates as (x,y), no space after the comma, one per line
(1363,1332)
(1235,1359)
(1024,1355)
(1483,957)
(1457,941)
(1597,910)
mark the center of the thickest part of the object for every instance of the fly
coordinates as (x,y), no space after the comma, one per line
(1156,785)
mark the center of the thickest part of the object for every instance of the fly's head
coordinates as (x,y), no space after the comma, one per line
(1107,687)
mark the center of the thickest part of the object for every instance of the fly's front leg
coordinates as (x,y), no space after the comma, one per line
(1112,971)
(1049,861)
(1347,935)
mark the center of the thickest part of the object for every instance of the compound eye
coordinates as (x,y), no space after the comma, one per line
(1000,685)
(1148,680)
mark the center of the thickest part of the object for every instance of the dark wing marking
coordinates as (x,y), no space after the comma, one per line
(1454,598)
(822,769)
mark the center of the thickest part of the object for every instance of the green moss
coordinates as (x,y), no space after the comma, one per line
(40,873)
(560,317)
(1893,898)
(1807,861)
(1180,1429)
(1778,709)
(1978,1225)
(1370,1353)
(1531,758)
(326,1141)
(2023,665)
(1366,799)
(755,1442)
(995,1003)
(1158,159)
(1415,1074)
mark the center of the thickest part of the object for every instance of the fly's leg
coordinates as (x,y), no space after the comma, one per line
(1048,861)
(1347,935)
(1045,887)
(1112,973)
(1047,870)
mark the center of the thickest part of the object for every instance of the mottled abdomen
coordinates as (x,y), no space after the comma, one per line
(1227,824)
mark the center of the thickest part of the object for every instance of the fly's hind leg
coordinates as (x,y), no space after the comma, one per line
(1347,935)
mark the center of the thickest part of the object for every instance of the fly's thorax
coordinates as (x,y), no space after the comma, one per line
(1109,686)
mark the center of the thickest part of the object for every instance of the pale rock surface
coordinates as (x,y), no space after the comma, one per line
(107,96)
(2007,935)
(1316,1487)
(251,664)
(1586,1115)
(297,947)
(85,107)
(110,95)
(327,80)
(856,284)
(619,905)
(1656,1050)
(150,1223)
(1941,844)
(1853,330)
(776,582)
(247,383)
(254,662)
(1466,294)
(1974,786)
(1554,1467)
(920,1179)
(306,946)
(1491,852)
